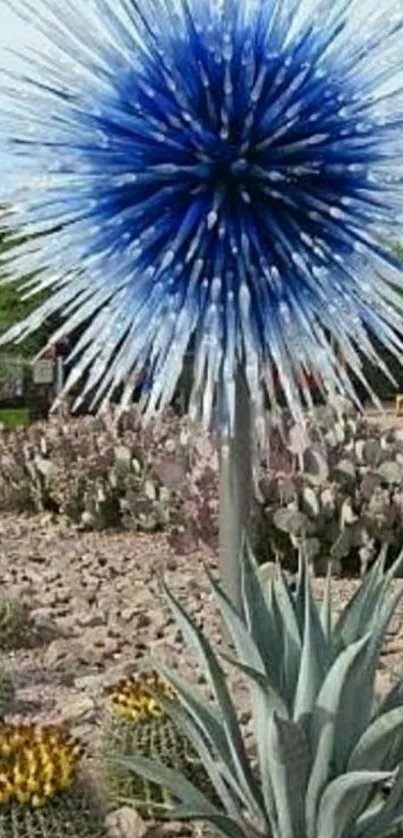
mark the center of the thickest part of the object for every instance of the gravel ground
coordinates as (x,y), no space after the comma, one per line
(98,614)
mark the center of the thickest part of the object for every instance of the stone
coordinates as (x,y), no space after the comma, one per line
(90,683)
(60,651)
(125,823)
(77,710)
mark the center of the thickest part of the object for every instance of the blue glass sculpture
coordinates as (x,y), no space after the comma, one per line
(220,175)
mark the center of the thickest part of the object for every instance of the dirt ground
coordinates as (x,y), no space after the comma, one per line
(98,614)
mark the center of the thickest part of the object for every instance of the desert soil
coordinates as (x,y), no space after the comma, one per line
(98,614)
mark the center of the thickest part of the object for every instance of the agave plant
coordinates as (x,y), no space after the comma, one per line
(325,745)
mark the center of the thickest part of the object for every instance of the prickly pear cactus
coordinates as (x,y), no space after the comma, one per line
(7,694)
(41,793)
(13,623)
(136,724)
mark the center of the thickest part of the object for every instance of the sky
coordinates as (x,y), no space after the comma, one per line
(16,35)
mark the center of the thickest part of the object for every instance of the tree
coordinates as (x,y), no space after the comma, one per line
(13,308)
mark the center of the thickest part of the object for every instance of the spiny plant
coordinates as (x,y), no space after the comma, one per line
(13,623)
(41,793)
(337,488)
(325,745)
(137,723)
(7,694)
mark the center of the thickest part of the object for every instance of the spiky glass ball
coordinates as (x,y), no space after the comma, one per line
(213,175)
(36,763)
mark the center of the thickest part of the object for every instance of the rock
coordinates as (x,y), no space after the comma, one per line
(96,644)
(90,618)
(60,651)
(125,823)
(77,710)
(129,613)
(90,683)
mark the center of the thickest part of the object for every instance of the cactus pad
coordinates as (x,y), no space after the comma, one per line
(137,724)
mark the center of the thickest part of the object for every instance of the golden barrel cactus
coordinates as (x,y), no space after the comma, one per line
(42,794)
(136,724)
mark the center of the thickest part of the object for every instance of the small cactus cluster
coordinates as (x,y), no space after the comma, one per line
(7,694)
(137,724)
(14,623)
(40,791)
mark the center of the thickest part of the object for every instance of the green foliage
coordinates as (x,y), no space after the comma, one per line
(18,418)
(325,746)
(14,308)
(14,623)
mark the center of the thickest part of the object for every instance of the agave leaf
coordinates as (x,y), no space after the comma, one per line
(393,699)
(393,570)
(323,728)
(326,607)
(265,702)
(275,702)
(198,641)
(362,607)
(289,650)
(182,788)
(259,620)
(195,716)
(288,758)
(242,639)
(361,684)
(374,748)
(188,725)
(343,800)
(379,822)
(264,698)
(315,658)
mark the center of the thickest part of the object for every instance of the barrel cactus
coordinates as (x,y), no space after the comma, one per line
(42,793)
(137,724)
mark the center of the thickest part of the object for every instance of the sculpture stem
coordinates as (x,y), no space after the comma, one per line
(236,493)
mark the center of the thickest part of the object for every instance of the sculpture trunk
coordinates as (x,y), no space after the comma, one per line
(236,493)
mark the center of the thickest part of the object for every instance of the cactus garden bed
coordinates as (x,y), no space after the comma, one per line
(339,489)
(95,616)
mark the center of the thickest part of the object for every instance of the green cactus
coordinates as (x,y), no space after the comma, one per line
(69,815)
(42,794)
(135,724)
(7,694)
(13,623)
(342,498)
